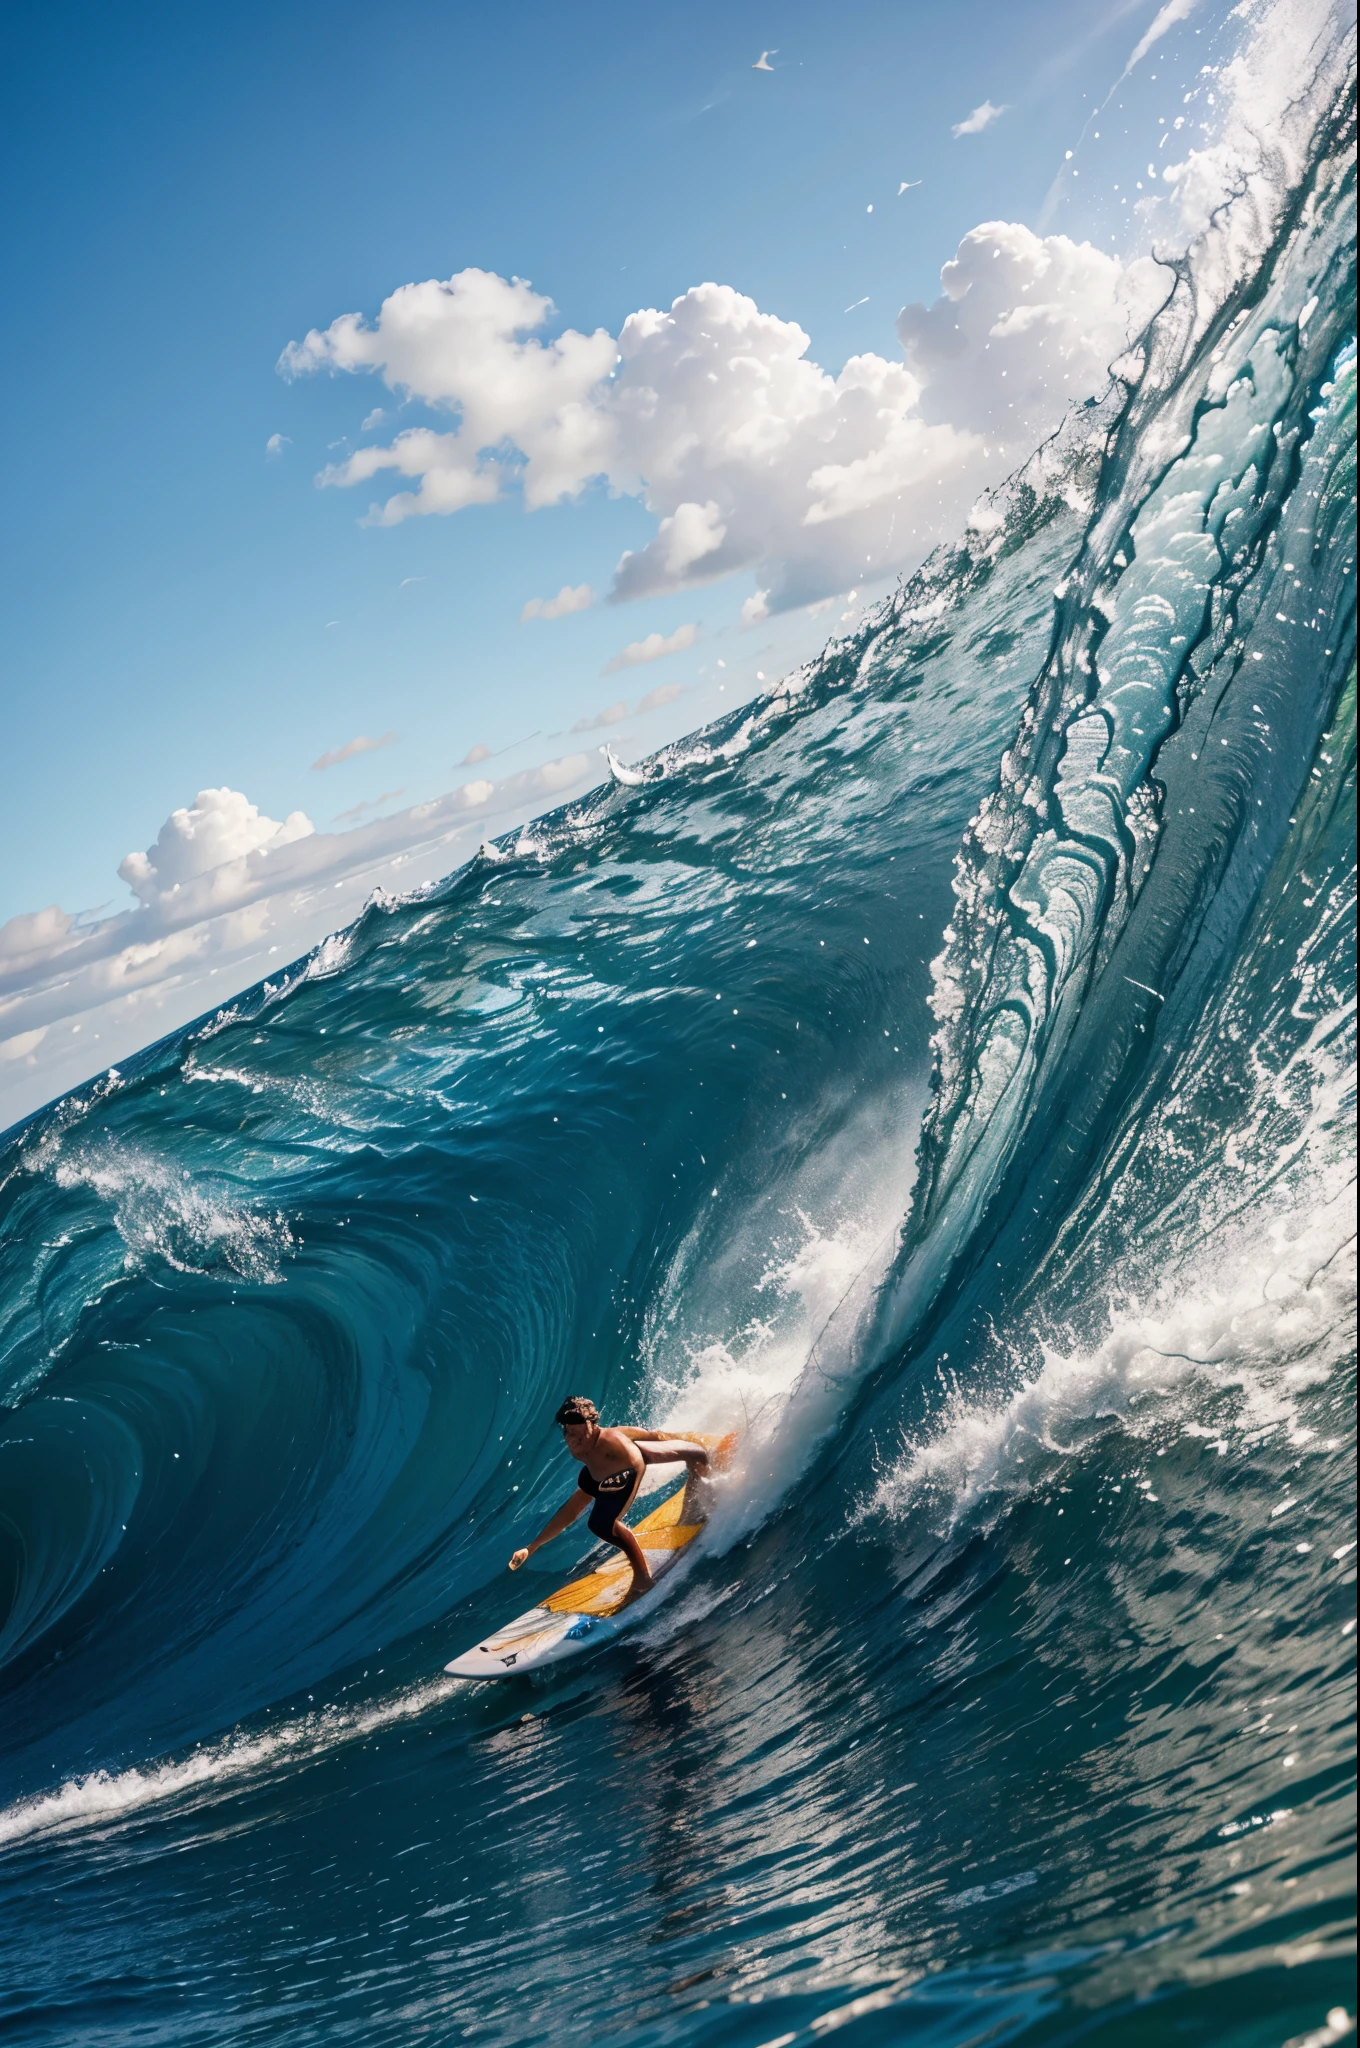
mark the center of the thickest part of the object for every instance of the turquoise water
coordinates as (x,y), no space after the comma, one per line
(943,1070)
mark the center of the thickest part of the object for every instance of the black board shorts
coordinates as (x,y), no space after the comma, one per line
(611,1496)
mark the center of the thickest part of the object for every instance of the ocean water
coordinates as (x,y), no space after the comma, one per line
(943,1070)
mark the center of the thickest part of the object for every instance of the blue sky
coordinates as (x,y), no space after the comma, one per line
(199,189)
(202,186)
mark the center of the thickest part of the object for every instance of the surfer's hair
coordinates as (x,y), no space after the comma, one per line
(576,1408)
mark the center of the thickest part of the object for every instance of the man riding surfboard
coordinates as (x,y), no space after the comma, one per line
(612,1463)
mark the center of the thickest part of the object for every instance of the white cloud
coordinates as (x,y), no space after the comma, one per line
(755,608)
(549,779)
(362,745)
(664,693)
(23,1044)
(569,598)
(376,418)
(276,444)
(1025,324)
(473,795)
(691,534)
(613,714)
(652,648)
(372,803)
(33,933)
(980,118)
(748,455)
(458,344)
(215,836)
(481,752)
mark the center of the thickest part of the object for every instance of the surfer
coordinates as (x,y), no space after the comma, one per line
(612,1463)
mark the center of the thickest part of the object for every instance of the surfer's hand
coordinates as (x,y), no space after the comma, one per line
(518,1559)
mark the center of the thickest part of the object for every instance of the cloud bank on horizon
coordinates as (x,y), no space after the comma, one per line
(222,889)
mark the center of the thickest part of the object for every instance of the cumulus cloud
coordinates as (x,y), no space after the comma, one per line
(980,118)
(613,714)
(473,795)
(755,608)
(577,598)
(748,455)
(481,752)
(691,535)
(550,779)
(362,745)
(215,835)
(664,693)
(458,344)
(276,444)
(652,648)
(1025,324)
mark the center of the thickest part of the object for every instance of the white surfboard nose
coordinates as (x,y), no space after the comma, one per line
(481,1664)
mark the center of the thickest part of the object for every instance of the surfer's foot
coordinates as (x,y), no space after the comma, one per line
(637,1589)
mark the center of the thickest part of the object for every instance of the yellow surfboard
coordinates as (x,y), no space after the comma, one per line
(585,1613)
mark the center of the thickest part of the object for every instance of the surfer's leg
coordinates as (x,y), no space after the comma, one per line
(632,1550)
(605,1522)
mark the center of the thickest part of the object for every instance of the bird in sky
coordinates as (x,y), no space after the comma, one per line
(763,63)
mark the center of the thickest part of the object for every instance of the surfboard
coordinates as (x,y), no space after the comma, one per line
(589,1611)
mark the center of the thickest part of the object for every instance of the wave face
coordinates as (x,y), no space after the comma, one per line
(1010,1698)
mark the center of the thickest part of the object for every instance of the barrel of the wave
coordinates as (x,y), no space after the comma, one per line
(590,1611)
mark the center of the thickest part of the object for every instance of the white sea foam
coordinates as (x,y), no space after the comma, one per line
(38,1152)
(166,1212)
(756,1377)
(211,1769)
(221,1021)
(785,1375)
(302,1091)
(1264,106)
(1227,1354)
(331,955)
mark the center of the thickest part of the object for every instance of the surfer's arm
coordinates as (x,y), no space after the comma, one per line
(563,1519)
